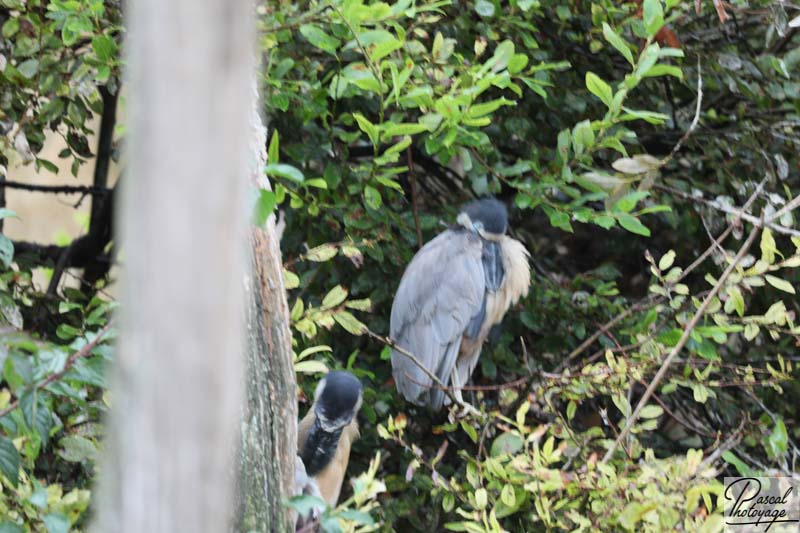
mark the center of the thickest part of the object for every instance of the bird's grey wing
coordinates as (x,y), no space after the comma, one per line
(440,292)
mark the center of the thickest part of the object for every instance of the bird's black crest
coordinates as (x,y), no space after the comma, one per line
(339,396)
(490,212)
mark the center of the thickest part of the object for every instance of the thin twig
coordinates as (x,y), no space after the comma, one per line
(388,341)
(697,110)
(83,352)
(55,189)
(740,213)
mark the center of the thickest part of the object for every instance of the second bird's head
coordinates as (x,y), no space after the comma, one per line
(486,216)
(337,400)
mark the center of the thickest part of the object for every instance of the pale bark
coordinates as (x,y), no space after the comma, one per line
(179,372)
(269,424)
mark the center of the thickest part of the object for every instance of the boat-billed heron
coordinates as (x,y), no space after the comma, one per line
(327,431)
(454,290)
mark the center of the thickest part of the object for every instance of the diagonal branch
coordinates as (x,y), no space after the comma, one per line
(388,341)
(681,343)
(83,352)
(762,223)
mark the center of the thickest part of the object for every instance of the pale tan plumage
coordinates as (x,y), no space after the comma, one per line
(515,286)
(329,481)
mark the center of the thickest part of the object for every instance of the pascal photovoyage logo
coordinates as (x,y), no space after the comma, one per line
(762,504)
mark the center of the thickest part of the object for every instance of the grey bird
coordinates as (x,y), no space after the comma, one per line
(455,289)
(326,433)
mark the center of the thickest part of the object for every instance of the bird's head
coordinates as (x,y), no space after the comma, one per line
(337,400)
(487,217)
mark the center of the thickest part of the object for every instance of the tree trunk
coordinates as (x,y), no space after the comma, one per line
(177,397)
(269,425)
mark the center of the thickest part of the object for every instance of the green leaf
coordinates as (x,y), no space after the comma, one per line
(56,523)
(582,136)
(508,496)
(396,130)
(367,127)
(265,205)
(6,251)
(735,301)
(506,443)
(10,27)
(778,440)
(730,458)
(310,367)
(9,527)
(618,42)
(666,260)
(604,221)
(282,170)
(364,304)
(319,38)
(470,431)
(633,513)
(560,219)
(9,461)
(571,408)
(664,70)
(104,47)
(599,88)
(485,108)
(517,63)
(349,322)
(627,203)
(384,48)
(779,283)
(321,253)
(651,411)
(77,449)
(632,224)
(306,503)
(648,116)
(484,8)
(273,153)
(652,16)
(334,297)
(372,198)
(28,68)
(751,331)
(481,496)
(290,280)
(357,516)
(768,247)
(502,56)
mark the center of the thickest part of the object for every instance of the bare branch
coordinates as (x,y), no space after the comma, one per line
(56,189)
(741,213)
(697,110)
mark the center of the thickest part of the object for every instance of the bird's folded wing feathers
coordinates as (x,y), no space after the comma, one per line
(441,290)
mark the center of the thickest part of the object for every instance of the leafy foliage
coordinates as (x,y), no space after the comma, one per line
(54,58)
(635,143)
(390,115)
(52,428)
